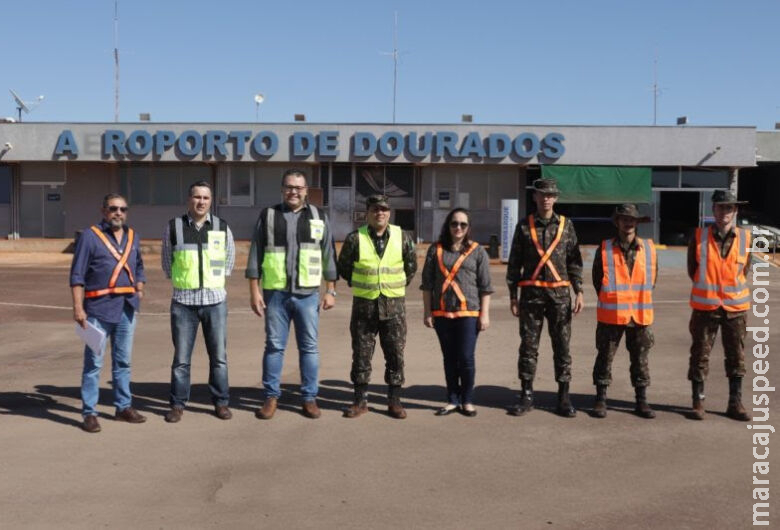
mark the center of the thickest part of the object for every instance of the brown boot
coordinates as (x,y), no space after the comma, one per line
(130,415)
(310,409)
(91,424)
(174,415)
(643,409)
(356,409)
(735,410)
(394,407)
(564,408)
(266,412)
(600,404)
(222,412)
(698,412)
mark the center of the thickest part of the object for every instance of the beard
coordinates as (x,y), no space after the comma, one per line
(116,223)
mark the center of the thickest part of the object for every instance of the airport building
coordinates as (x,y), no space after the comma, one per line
(53,175)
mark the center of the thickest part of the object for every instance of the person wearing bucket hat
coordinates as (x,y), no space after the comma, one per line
(544,261)
(378,260)
(718,262)
(624,273)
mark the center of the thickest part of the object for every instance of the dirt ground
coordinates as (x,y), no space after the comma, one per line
(491,471)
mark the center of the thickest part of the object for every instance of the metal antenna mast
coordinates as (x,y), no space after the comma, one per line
(656,91)
(394,54)
(116,60)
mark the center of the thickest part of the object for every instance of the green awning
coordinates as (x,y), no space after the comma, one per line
(601,184)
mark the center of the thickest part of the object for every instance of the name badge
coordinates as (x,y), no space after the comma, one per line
(317,228)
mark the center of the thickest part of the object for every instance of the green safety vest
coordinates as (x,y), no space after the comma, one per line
(192,261)
(309,254)
(372,276)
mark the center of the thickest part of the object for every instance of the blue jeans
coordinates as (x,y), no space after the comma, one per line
(458,339)
(184,328)
(281,308)
(121,337)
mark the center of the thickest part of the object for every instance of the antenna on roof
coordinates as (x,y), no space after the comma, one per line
(116,60)
(25,106)
(394,54)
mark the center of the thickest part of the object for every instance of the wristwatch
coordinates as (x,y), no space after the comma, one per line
(331,292)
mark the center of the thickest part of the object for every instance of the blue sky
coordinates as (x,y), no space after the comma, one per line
(505,62)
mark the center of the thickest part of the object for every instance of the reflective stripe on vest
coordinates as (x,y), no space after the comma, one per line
(188,262)
(450,283)
(625,296)
(275,257)
(121,264)
(545,258)
(720,282)
(372,276)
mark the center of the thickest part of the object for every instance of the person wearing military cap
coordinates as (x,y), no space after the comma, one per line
(378,261)
(718,262)
(624,274)
(544,262)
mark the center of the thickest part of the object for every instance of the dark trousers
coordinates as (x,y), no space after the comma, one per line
(532,317)
(704,327)
(458,339)
(639,340)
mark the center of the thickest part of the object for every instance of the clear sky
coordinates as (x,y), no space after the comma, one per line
(505,62)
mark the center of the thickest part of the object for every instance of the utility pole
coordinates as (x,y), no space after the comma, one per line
(116,60)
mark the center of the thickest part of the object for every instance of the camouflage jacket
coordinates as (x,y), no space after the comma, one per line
(523,259)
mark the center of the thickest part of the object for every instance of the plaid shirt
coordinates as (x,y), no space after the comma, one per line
(201,296)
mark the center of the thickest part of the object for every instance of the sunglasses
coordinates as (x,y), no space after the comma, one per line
(290,189)
(456,224)
(114,209)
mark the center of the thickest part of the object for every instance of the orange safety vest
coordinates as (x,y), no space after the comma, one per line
(545,258)
(625,296)
(121,264)
(720,281)
(449,282)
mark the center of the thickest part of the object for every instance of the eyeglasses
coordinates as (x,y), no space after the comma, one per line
(296,189)
(456,224)
(114,209)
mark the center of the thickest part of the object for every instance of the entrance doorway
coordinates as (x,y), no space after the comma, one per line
(679,215)
(41,210)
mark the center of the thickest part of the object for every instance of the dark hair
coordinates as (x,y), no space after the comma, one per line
(296,172)
(445,237)
(112,196)
(200,184)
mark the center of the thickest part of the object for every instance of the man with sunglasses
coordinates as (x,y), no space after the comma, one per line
(378,261)
(197,254)
(107,284)
(292,251)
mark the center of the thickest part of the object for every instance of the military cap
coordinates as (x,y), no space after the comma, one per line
(377,200)
(546,186)
(629,210)
(725,197)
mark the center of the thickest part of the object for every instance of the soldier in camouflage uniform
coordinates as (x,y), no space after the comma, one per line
(544,292)
(378,261)
(639,335)
(730,310)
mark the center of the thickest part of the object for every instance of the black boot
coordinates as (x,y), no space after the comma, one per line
(565,407)
(394,407)
(736,411)
(600,405)
(526,399)
(360,404)
(643,409)
(697,388)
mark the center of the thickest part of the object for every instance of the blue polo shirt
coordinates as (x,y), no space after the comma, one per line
(92,267)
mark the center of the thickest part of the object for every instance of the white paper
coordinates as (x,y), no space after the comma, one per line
(92,336)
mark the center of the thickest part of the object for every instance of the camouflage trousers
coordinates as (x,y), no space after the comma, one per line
(364,326)
(704,327)
(559,328)
(639,340)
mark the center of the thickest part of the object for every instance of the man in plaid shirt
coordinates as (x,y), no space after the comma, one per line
(198,252)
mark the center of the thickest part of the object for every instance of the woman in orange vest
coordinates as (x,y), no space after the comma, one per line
(718,261)
(456,297)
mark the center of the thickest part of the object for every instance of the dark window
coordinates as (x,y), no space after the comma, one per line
(5,185)
(665,178)
(341,175)
(704,179)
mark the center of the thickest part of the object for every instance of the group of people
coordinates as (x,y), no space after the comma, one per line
(292,253)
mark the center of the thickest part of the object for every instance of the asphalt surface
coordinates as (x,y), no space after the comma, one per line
(491,471)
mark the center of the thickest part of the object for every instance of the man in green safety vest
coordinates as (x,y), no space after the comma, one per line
(378,260)
(292,251)
(197,254)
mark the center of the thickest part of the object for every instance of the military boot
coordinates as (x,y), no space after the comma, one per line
(643,409)
(360,405)
(600,405)
(526,399)
(564,407)
(697,387)
(736,411)
(394,407)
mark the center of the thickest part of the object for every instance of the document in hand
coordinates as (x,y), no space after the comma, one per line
(92,336)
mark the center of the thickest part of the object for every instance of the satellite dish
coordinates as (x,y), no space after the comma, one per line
(259,98)
(21,105)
